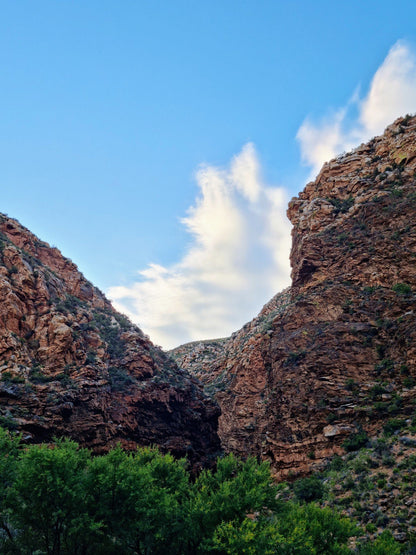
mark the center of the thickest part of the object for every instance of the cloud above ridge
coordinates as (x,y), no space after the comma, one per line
(240,238)
(392,93)
(237,260)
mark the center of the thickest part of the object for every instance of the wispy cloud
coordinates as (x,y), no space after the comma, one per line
(240,238)
(392,94)
(238,259)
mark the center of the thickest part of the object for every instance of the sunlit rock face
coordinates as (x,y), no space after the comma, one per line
(337,351)
(71,365)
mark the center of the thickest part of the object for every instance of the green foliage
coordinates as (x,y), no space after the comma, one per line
(341,205)
(234,490)
(60,500)
(9,450)
(385,364)
(369,289)
(355,441)
(47,497)
(396,192)
(331,417)
(383,545)
(393,425)
(249,537)
(351,385)
(294,357)
(8,377)
(138,499)
(8,422)
(395,404)
(402,289)
(36,375)
(301,530)
(376,391)
(409,382)
(308,529)
(119,379)
(122,321)
(69,304)
(308,489)
(337,463)
(91,357)
(110,332)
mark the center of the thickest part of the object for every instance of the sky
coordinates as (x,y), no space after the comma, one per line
(157,144)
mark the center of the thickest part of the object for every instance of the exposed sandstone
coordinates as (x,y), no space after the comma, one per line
(337,352)
(71,365)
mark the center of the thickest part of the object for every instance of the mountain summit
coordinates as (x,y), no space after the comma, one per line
(71,365)
(333,357)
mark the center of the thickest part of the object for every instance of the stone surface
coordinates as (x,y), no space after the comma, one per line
(338,347)
(71,365)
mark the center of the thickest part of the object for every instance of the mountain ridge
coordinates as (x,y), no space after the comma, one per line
(339,356)
(71,365)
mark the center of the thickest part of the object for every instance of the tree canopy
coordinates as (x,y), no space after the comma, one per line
(59,499)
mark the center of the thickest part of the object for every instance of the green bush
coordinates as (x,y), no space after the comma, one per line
(393,425)
(8,377)
(409,382)
(383,545)
(308,489)
(119,379)
(308,529)
(341,205)
(8,422)
(336,463)
(376,391)
(402,289)
(385,364)
(110,332)
(351,385)
(355,441)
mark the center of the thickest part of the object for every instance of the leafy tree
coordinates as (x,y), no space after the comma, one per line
(47,500)
(385,544)
(308,489)
(59,500)
(355,441)
(308,529)
(137,498)
(233,491)
(9,451)
(249,537)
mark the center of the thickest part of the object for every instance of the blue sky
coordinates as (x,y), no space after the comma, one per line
(136,135)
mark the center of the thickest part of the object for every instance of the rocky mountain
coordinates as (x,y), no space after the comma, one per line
(334,357)
(71,365)
(207,360)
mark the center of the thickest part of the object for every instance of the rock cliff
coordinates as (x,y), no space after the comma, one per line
(336,353)
(71,365)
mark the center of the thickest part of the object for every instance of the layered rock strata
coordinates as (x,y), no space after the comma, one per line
(71,365)
(336,353)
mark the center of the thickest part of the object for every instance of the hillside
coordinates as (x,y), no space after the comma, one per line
(71,365)
(337,352)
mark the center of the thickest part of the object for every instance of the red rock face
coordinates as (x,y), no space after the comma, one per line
(71,365)
(337,352)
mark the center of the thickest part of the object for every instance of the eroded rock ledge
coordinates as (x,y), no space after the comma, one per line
(71,365)
(337,351)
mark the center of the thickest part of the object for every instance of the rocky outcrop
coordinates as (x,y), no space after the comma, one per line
(71,365)
(337,353)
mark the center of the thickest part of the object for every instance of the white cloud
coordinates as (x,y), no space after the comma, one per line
(392,94)
(238,259)
(240,237)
